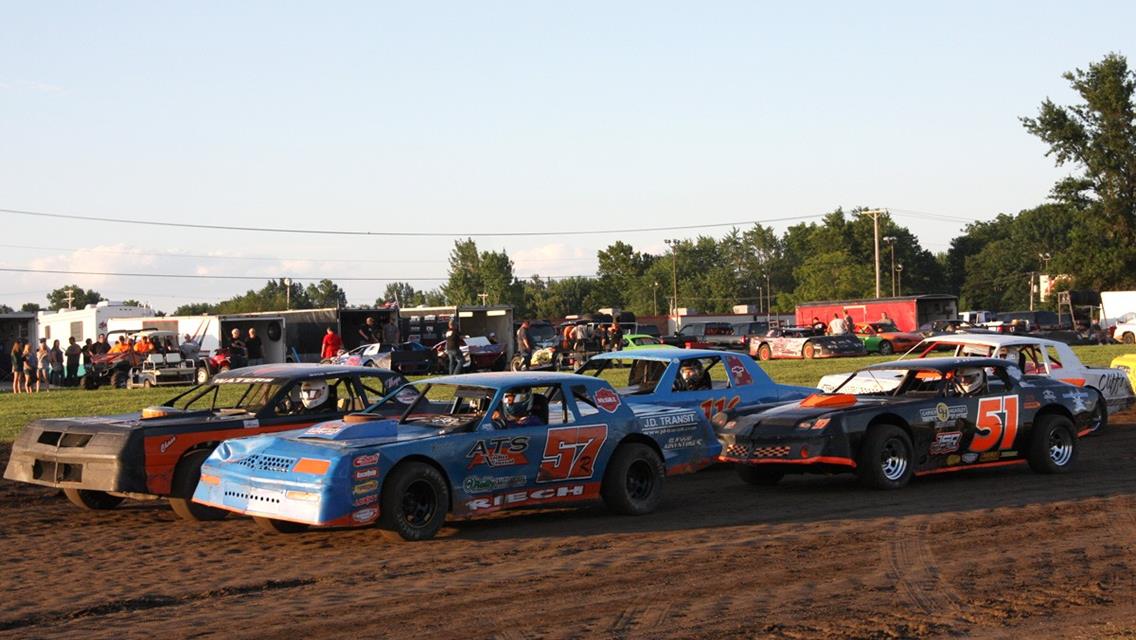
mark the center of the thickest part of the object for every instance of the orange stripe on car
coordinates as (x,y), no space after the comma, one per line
(980,465)
(829,400)
(1076,382)
(844,462)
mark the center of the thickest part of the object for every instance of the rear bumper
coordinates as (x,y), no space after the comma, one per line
(73,455)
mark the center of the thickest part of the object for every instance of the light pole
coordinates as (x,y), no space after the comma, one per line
(890,242)
(768,297)
(759,298)
(875,213)
(655,300)
(1044,256)
(287,293)
(673,244)
(899,277)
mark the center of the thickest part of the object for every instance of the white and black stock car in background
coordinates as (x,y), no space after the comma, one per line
(946,414)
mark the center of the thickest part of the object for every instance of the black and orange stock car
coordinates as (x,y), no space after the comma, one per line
(99,461)
(947,414)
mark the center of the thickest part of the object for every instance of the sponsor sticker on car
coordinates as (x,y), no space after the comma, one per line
(607,400)
(366,461)
(365,515)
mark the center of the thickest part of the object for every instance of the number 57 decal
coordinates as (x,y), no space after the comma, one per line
(997,420)
(570,453)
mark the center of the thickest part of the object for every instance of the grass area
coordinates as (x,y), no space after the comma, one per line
(18,410)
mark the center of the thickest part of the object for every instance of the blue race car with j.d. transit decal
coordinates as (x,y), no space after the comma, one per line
(464,445)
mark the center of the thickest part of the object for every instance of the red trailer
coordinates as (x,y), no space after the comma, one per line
(907,312)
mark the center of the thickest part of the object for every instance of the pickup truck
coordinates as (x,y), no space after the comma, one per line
(707,335)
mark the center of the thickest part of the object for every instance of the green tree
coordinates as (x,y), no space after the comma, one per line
(1098,137)
(325,294)
(274,296)
(80,297)
(131,302)
(834,275)
(30,307)
(402,292)
(193,309)
(6,309)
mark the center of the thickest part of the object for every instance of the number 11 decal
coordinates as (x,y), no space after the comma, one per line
(997,420)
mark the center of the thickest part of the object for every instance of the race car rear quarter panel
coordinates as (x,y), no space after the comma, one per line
(943,429)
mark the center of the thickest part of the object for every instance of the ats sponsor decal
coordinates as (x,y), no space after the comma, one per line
(365,461)
(712,406)
(326,429)
(655,422)
(498,452)
(945,442)
(365,500)
(531,496)
(365,487)
(683,442)
(737,368)
(570,453)
(363,474)
(166,444)
(486,484)
(365,515)
(943,413)
(607,400)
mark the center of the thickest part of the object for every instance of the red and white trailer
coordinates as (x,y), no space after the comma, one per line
(907,312)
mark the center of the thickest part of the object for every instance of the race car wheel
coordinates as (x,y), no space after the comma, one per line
(764,352)
(517,364)
(92,500)
(809,350)
(279,526)
(633,482)
(758,477)
(414,502)
(1128,338)
(885,348)
(147,384)
(1053,446)
(186,476)
(886,458)
(1099,419)
(202,375)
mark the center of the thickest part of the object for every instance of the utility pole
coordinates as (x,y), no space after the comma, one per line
(768,297)
(287,293)
(673,244)
(890,242)
(655,300)
(899,277)
(1031,289)
(875,213)
(70,297)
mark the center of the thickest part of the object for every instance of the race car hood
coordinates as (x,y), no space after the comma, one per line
(362,430)
(788,416)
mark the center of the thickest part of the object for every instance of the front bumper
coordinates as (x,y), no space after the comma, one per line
(70,454)
(796,451)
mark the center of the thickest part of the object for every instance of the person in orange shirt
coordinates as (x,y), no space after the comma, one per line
(143,346)
(119,347)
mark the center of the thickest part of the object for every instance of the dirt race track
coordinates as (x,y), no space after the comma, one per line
(999,553)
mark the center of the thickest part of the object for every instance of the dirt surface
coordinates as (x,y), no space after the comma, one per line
(999,553)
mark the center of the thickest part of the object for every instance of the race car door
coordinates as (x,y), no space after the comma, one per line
(704,383)
(979,419)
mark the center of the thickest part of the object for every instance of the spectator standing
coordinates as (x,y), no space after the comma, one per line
(524,345)
(31,368)
(616,337)
(255,348)
(390,331)
(87,351)
(370,332)
(238,354)
(849,325)
(331,344)
(579,337)
(189,348)
(43,366)
(836,325)
(818,324)
(100,347)
(453,348)
(74,351)
(17,365)
(56,359)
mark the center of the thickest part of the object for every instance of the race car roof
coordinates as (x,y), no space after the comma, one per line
(511,378)
(940,364)
(659,354)
(991,340)
(294,371)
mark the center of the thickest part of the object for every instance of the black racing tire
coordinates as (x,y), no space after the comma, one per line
(415,499)
(202,375)
(147,384)
(1053,444)
(809,350)
(887,458)
(757,476)
(186,476)
(633,482)
(1099,419)
(885,348)
(118,379)
(764,352)
(272,525)
(1128,337)
(92,500)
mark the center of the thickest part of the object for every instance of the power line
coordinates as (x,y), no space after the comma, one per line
(399,234)
(193,276)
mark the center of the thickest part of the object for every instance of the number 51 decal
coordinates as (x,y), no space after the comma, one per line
(570,453)
(997,420)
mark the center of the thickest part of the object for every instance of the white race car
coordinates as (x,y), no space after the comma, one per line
(1035,356)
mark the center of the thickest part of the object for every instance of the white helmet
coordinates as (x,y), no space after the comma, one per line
(313,393)
(970,380)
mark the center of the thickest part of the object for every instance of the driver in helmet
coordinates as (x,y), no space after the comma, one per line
(516,409)
(692,375)
(314,396)
(970,381)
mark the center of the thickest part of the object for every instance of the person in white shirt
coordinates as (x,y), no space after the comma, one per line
(836,325)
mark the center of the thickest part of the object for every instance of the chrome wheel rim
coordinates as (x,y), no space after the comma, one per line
(893,459)
(1060,447)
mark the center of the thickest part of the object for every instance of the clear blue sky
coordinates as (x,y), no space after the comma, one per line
(504,116)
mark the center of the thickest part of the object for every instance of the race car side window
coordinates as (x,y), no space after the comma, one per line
(585,407)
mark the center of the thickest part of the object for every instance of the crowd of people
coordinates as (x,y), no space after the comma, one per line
(371,332)
(44,367)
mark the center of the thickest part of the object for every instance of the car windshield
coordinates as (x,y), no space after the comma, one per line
(229,396)
(542,333)
(450,407)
